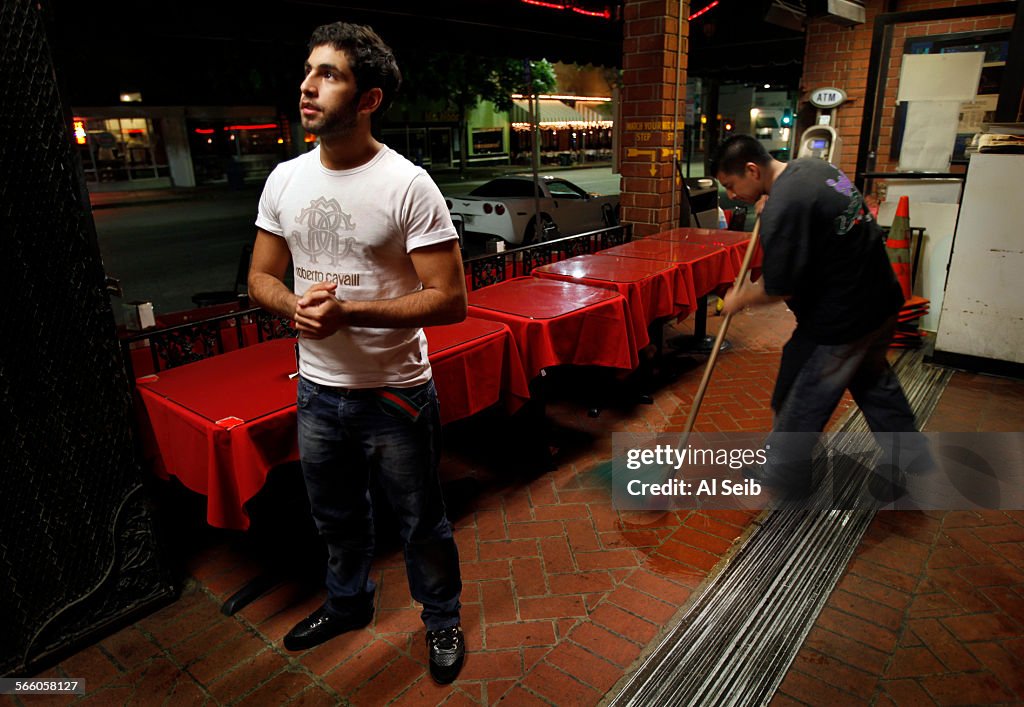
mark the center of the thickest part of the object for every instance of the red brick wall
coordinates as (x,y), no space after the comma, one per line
(838,56)
(654,38)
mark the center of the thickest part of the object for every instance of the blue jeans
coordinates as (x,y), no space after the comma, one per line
(812,380)
(395,435)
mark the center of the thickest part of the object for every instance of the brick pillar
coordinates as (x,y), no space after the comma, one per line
(652,115)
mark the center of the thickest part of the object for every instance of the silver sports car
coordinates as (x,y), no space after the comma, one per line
(507,208)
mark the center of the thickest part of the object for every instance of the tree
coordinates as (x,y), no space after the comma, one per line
(461,81)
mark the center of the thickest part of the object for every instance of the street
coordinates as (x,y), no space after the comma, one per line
(600,180)
(167,251)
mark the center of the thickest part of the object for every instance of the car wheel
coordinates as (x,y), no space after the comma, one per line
(549,230)
(610,214)
(529,234)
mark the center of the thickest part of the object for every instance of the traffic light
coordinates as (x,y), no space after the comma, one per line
(787,117)
(728,125)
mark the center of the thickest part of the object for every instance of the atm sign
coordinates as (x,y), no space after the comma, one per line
(827,97)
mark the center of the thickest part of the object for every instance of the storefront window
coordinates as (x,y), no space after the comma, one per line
(119,149)
(411,143)
(582,144)
(235,151)
(995,45)
(488,141)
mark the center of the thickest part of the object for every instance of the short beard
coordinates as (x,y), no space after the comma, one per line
(337,124)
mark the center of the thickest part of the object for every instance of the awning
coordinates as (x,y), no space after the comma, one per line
(556,115)
(603,109)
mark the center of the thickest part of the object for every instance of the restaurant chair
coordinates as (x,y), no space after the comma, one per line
(738,219)
(240,292)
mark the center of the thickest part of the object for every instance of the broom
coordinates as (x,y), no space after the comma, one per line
(603,470)
(719,338)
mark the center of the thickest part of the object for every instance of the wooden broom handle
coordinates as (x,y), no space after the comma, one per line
(720,337)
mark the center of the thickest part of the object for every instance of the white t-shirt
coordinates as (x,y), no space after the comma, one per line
(356,227)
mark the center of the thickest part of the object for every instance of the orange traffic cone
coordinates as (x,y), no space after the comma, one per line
(898,244)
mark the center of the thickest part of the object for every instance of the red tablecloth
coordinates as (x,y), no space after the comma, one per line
(475,364)
(221,424)
(652,289)
(735,242)
(704,267)
(558,323)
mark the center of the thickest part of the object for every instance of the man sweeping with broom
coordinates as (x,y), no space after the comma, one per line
(825,256)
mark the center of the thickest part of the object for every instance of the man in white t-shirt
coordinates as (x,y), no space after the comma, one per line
(375,258)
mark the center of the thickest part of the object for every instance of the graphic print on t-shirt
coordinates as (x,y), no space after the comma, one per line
(324,221)
(846,220)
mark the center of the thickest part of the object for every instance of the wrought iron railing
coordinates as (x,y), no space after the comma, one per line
(496,267)
(193,341)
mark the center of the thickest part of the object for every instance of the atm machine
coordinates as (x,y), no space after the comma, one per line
(820,141)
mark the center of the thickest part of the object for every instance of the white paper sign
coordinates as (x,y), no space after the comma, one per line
(940,77)
(929,135)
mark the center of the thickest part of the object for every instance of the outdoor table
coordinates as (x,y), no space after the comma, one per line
(221,424)
(735,242)
(475,364)
(557,323)
(653,290)
(704,267)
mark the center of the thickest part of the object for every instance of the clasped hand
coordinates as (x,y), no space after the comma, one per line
(319,313)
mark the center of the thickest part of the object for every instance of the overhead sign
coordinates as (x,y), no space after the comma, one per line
(827,97)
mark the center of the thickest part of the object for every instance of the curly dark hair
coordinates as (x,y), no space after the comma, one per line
(371,60)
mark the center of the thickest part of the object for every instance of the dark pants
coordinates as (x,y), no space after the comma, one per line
(812,380)
(393,434)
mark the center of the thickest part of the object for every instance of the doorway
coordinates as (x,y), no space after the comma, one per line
(440,147)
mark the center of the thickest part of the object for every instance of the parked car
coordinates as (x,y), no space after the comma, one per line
(506,208)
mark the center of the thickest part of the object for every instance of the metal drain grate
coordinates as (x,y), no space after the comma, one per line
(738,640)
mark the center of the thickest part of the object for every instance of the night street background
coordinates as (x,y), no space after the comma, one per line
(164,252)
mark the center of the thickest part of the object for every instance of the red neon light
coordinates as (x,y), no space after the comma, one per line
(701,11)
(260,126)
(605,13)
(205,131)
(568,5)
(541,3)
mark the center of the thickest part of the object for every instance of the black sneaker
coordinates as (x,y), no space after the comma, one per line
(322,625)
(447,649)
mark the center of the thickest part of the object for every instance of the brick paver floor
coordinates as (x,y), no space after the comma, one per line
(563,594)
(931,608)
